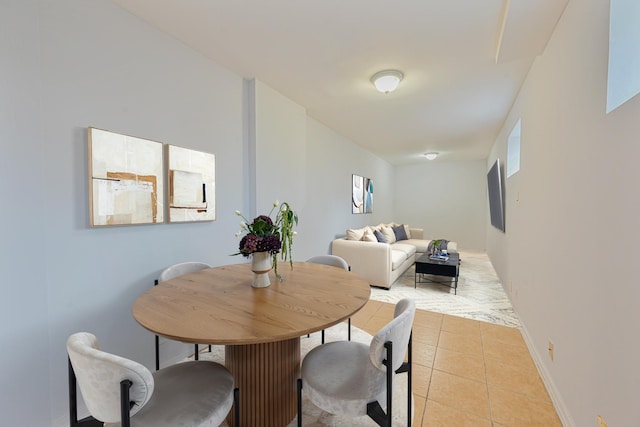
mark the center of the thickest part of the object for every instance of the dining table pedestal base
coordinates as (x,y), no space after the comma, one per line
(266,375)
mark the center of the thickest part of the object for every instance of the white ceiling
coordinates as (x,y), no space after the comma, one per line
(463,60)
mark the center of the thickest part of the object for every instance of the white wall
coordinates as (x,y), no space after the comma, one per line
(301,161)
(72,64)
(573,209)
(447,199)
(280,149)
(331,160)
(24,371)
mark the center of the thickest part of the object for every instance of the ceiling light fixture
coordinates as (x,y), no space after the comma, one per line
(387,81)
(431,156)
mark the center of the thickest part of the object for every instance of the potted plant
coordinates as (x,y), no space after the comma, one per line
(268,237)
(437,247)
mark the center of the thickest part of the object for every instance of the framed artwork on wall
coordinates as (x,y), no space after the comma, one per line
(192,191)
(125,179)
(357,194)
(361,195)
(368,195)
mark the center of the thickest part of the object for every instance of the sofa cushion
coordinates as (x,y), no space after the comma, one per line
(379,236)
(368,235)
(397,258)
(355,234)
(407,230)
(398,230)
(388,234)
(408,250)
(419,244)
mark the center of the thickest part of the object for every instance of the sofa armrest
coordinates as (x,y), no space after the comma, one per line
(369,260)
(416,233)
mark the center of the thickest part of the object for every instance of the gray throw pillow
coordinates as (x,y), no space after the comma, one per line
(398,230)
(379,236)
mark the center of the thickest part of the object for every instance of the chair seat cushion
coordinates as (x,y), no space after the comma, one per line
(339,378)
(190,394)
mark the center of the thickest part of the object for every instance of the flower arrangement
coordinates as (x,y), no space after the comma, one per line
(266,235)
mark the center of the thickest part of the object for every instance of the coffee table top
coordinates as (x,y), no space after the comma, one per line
(454,259)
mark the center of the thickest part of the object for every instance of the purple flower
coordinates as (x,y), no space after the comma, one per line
(248,244)
(252,243)
(269,244)
(266,235)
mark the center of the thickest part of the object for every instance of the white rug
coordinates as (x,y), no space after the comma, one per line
(312,416)
(480,293)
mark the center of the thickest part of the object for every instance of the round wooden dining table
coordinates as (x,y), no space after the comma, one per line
(260,327)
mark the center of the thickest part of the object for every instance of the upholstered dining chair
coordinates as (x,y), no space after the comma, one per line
(352,379)
(169,273)
(334,261)
(122,393)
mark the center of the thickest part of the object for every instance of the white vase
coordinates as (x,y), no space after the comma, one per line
(261,264)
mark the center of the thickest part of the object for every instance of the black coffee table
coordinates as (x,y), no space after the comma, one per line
(448,268)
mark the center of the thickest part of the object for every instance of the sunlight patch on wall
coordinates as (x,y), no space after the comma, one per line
(623,81)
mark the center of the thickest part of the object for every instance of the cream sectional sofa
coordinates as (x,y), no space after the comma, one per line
(382,263)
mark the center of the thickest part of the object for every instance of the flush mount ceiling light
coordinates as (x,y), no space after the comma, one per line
(431,156)
(387,81)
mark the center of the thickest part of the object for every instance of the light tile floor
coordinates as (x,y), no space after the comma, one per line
(468,372)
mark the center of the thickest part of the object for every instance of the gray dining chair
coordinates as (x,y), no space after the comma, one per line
(120,392)
(356,379)
(169,273)
(334,261)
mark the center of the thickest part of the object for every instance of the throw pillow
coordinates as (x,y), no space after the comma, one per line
(379,237)
(399,232)
(388,234)
(407,230)
(355,234)
(369,236)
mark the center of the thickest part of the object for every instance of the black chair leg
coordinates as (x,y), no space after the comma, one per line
(155,283)
(349,330)
(407,367)
(389,346)
(322,336)
(409,374)
(374,410)
(196,352)
(157,353)
(299,402)
(125,403)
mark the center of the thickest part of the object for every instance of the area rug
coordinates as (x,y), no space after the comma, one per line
(312,416)
(480,293)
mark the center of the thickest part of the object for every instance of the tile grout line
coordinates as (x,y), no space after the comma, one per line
(486,377)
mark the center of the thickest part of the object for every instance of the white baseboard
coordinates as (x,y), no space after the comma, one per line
(556,398)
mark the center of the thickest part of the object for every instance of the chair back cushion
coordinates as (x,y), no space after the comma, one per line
(398,332)
(99,375)
(332,260)
(183,268)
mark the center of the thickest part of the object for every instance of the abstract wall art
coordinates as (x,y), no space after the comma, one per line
(125,179)
(368,195)
(357,194)
(191,185)
(361,195)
